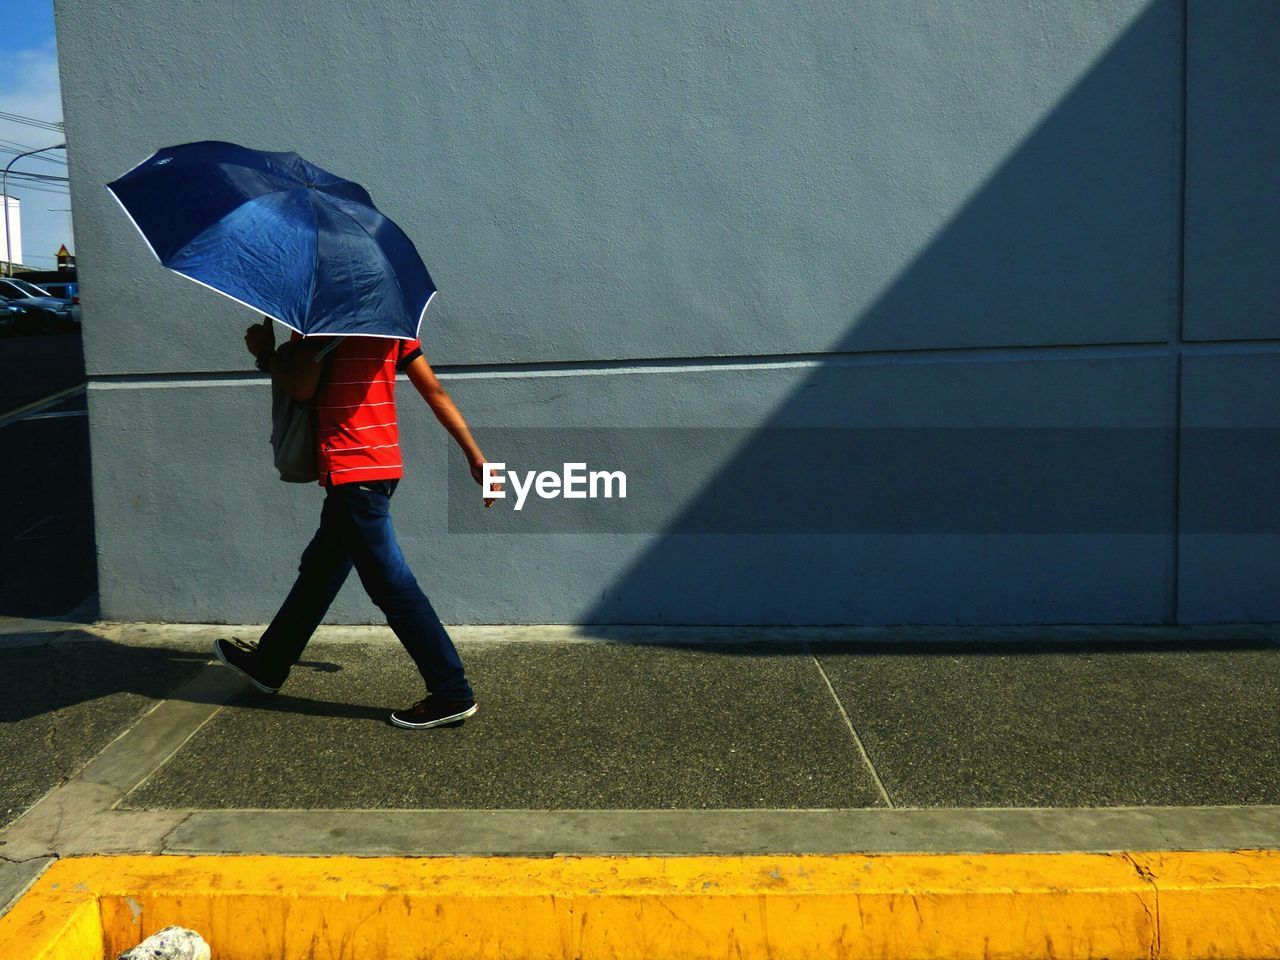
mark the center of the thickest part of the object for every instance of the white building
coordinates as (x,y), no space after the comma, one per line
(13,215)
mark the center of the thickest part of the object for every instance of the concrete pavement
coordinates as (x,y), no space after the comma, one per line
(48,563)
(1002,737)
(636,741)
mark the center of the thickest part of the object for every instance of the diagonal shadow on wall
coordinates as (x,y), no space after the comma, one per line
(1073,240)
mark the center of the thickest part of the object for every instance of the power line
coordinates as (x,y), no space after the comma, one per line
(45,181)
(32,121)
(16,190)
(31,175)
(55,184)
(12,146)
(19,144)
(31,186)
(42,177)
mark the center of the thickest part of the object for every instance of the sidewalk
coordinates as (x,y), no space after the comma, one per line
(126,738)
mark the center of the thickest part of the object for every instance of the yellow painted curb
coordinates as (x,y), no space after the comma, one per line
(1066,905)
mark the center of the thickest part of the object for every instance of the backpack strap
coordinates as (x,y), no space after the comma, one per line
(324,367)
(328,348)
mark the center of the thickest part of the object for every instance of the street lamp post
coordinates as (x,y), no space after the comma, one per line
(8,251)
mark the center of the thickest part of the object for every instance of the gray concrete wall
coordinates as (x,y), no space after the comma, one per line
(850,216)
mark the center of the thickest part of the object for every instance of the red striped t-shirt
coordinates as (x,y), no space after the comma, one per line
(356,431)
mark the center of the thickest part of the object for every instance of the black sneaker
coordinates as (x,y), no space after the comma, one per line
(244,659)
(433,712)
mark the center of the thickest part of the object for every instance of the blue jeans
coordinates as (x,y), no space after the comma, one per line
(355,530)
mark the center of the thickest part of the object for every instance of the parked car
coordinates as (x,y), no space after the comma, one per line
(40,314)
(9,318)
(31,288)
(68,290)
(62,289)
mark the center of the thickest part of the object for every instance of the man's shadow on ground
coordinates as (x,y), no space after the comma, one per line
(81,667)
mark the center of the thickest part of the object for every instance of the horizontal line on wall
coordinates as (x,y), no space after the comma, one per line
(120,381)
(780,361)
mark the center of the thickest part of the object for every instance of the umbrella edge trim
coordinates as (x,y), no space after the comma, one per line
(417,331)
(243,303)
(120,203)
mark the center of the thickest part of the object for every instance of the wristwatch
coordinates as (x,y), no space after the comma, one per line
(263,360)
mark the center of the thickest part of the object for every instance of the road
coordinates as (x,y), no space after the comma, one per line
(35,367)
(47,554)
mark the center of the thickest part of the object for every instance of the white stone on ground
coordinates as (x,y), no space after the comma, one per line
(171,943)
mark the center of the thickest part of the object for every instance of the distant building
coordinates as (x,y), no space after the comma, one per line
(13,214)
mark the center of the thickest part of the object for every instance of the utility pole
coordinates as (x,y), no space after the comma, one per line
(67,211)
(8,251)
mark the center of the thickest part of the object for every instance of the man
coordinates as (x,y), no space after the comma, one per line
(360,467)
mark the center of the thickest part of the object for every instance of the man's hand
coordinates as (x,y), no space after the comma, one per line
(477,463)
(260,338)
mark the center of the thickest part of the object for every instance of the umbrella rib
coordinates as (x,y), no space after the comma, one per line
(376,246)
(209,226)
(274,175)
(315,262)
(213,226)
(222,219)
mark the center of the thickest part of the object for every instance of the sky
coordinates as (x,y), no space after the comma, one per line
(29,88)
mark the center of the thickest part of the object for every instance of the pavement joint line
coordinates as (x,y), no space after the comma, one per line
(862,750)
(103,782)
(211,681)
(13,416)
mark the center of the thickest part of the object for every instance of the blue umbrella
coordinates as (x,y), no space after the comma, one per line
(280,235)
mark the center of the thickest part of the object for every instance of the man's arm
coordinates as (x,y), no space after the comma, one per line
(424,379)
(442,405)
(299,375)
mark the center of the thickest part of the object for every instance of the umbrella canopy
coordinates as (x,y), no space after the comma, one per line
(280,235)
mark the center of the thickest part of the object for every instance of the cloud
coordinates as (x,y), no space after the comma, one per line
(29,83)
(29,87)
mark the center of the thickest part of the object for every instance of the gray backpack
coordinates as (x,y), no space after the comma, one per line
(293,427)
